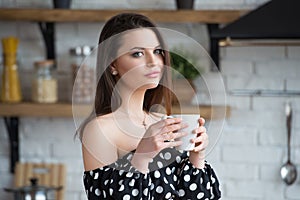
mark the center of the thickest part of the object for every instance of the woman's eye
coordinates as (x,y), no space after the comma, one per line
(159,51)
(137,54)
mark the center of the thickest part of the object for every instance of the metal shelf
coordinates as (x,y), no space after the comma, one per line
(265,93)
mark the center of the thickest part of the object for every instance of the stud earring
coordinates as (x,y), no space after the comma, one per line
(114,73)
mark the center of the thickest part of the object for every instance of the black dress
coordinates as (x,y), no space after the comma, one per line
(171,176)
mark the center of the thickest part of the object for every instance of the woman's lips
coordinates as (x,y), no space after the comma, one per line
(153,74)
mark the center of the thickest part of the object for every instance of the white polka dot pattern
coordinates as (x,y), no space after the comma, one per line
(193,187)
(135,192)
(187,178)
(97,192)
(200,195)
(173,177)
(159,189)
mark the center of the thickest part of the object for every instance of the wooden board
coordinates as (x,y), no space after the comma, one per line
(71,15)
(28,109)
(48,174)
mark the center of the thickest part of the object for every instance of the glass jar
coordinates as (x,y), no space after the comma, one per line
(83,75)
(44,85)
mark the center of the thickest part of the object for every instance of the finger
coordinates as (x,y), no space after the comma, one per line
(167,122)
(173,144)
(173,127)
(201,121)
(180,134)
(199,139)
(200,142)
(201,147)
(167,137)
(159,126)
(200,129)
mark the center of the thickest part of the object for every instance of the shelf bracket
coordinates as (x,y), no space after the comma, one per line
(214,47)
(48,32)
(12,126)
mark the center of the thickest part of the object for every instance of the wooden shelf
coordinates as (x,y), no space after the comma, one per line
(28,109)
(71,15)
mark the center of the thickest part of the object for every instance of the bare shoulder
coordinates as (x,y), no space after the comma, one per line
(99,125)
(101,131)
(98,143)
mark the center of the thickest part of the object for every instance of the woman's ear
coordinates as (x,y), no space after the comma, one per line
(113,69)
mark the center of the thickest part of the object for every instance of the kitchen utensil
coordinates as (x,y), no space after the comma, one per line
(32,192)
(288,170)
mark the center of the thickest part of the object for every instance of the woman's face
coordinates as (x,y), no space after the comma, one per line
(140,62)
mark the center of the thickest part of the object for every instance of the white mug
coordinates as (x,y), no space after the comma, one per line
(192,121)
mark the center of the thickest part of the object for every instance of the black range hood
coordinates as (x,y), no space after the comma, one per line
(276,19)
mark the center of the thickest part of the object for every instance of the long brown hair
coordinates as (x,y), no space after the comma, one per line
(105,93)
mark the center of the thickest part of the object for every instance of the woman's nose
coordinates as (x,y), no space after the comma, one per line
(152,60)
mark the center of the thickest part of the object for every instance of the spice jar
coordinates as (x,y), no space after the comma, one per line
(83,75)
(44,85)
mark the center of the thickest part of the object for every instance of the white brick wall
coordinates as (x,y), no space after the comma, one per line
(273,68)
(252,146)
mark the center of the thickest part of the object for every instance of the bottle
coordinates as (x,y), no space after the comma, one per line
(44,85)
(83,75)
(11,90)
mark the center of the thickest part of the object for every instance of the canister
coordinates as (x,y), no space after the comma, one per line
(44,84)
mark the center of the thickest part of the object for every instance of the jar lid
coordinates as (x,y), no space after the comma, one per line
(76,51)
(81,50)
(44,63)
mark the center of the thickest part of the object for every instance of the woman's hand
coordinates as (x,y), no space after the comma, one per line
(197,156)
(156,139)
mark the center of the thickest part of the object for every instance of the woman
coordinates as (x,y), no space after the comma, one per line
(128,150)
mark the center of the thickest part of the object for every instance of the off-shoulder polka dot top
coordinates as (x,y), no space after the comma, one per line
(171,176)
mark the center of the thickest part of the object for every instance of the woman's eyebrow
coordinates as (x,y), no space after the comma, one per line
(143,48)
(137,48)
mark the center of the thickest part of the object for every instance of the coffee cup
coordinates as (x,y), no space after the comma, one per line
(192,121)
